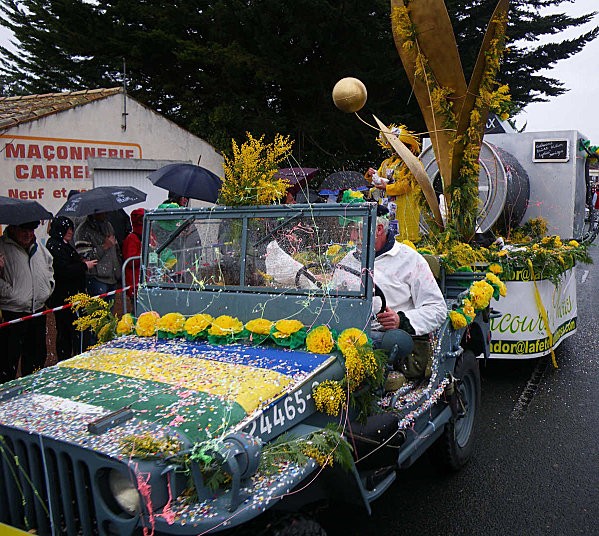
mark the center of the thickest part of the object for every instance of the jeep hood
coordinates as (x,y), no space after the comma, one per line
(193,389)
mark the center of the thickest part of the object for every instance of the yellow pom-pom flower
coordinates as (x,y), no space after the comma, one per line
(350,339)
(333,250)
(573,243)
(493,278)
(146,324)
(197,323)
(285,328)
(320,340)
(468,308)
(125,325)
(480,294)
(171,323)
(458,320)
(495,269)
(259,326)
(225,325)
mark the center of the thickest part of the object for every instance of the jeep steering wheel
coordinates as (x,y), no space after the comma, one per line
(377,290)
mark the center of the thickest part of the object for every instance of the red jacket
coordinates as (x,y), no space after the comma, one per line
(132,248)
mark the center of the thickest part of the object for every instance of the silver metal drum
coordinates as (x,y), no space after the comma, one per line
(503,187)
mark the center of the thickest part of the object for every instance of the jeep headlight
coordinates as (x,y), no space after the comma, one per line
(124,492)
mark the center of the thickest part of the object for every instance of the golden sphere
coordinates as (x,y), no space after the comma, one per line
(349,95)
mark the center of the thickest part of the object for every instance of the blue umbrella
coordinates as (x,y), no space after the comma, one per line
(188,180)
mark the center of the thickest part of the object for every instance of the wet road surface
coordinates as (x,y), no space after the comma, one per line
(535,468)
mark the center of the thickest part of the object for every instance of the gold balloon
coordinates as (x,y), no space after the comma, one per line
(349,95)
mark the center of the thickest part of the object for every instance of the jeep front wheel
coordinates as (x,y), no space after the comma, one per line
(453,449)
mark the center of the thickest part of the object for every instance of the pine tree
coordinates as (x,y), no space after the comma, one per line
(226,67)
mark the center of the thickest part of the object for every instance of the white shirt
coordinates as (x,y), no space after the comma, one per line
(409,286)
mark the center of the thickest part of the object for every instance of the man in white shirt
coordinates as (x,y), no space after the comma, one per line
(414,301)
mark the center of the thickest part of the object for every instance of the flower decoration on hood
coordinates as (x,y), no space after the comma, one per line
(171,325)
(288,332)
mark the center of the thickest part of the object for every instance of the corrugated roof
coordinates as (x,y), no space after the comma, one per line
(16,110)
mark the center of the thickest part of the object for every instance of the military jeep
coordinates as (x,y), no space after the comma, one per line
(220,411)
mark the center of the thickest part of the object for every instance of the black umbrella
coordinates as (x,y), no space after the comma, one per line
(188,180)
(17,211)
(101,199)
(343,180)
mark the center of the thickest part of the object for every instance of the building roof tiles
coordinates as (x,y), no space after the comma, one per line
(21,109)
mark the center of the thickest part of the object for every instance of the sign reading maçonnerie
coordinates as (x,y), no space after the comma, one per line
(551,151)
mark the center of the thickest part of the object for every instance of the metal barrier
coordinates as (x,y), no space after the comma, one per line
(127,261)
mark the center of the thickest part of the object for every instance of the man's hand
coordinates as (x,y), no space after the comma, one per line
(388,319)
(90,264)
(109,242)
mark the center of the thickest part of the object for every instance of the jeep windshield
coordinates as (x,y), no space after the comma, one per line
(296,249)
(248,256)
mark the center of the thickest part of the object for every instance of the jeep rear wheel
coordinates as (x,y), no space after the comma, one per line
(453,449)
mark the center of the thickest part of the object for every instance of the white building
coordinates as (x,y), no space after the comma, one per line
(51,144)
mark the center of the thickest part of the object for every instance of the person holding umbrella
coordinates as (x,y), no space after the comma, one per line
(95,240)
(26,283)
(69,273)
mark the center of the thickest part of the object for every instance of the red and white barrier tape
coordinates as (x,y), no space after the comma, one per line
(67,306)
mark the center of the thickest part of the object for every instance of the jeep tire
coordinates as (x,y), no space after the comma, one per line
(453,449)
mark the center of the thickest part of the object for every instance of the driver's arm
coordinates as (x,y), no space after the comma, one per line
(430,309)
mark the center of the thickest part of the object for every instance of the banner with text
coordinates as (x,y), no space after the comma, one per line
(520,332)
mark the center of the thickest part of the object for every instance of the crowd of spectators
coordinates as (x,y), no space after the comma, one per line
(86,257)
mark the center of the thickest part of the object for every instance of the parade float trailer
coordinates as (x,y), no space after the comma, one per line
(524,176)
(207,416)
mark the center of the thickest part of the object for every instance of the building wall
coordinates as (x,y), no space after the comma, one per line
(46,158)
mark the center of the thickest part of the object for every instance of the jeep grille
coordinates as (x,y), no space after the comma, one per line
(44,486)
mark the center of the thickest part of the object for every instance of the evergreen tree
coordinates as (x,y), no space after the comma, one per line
(226,67)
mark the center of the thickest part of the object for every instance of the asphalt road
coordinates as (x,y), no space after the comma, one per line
(535,469)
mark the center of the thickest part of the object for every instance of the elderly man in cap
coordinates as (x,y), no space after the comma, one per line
(415,303)
(26,283)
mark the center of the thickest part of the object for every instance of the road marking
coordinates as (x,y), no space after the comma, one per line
(585,274)
(529,391)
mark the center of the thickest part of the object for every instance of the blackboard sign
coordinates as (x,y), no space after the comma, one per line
(551,151)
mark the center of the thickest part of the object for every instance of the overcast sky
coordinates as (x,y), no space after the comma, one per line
(578,109)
